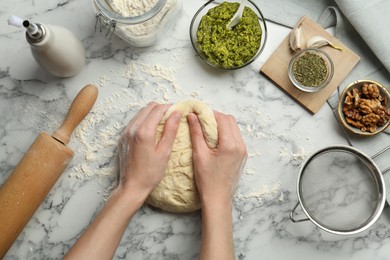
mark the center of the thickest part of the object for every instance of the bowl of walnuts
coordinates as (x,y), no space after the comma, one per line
(364,107)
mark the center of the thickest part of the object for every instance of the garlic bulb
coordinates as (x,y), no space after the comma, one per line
(296,38)
(319,41)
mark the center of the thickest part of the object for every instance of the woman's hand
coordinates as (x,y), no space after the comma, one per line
(142,164)
(142,161)
(217,171)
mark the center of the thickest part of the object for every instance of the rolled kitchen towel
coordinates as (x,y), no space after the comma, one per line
(369,66)
(370,19)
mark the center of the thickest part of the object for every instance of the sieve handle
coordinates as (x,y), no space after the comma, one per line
(292,215)
(379,153)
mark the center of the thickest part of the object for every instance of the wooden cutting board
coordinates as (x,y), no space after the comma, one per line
(276,67)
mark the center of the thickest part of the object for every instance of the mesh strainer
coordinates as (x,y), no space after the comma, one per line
(341,190)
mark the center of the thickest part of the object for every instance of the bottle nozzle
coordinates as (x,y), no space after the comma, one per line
(34,32)
(32,29)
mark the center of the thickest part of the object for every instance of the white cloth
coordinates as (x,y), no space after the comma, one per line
(371,21)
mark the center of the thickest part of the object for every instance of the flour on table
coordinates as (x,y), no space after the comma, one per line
(250,171)
(301,155)
(263,192)
(254,154)
(99,132)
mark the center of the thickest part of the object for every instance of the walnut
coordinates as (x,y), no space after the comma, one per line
(370,90)
(354,123)
(353,114)
(367,105)
(365,109)
(348,100)
(370,119)
(383,113)
(356,96)
(348,108)
(369,129)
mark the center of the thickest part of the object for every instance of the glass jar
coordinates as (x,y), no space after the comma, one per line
(138,27)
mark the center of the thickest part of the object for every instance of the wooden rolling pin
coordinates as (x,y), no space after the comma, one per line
(37,172)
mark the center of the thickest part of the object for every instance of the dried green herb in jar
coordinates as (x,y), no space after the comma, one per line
(310,70)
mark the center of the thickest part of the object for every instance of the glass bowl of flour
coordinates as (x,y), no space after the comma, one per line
(139,23)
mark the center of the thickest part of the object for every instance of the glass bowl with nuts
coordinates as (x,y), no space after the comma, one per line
(311,69)
(364,107)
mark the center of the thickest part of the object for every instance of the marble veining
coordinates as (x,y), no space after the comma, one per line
(278,132)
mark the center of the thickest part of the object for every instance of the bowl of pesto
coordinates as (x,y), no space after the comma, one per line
(226,48)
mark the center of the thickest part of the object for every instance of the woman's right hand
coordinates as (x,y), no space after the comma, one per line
(218,170)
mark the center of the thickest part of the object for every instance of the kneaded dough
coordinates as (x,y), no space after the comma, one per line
(177,192)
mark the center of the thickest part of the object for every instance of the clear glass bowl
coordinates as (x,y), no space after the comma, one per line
(211,4)
(328,63)
(139,30)
(358,84)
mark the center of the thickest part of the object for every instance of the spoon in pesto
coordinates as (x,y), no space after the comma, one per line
(237,16)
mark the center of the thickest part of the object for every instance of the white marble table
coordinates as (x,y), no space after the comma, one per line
(278,132)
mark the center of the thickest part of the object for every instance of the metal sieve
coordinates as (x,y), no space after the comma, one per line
(341,190)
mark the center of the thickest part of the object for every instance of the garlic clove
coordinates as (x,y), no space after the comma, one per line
(319,41)
(296,38)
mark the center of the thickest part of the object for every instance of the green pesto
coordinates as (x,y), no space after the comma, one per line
(225,47)
(310,70)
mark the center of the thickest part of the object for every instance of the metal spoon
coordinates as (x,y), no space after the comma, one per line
(237,16)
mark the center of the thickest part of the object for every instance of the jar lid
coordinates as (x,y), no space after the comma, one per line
(105,8)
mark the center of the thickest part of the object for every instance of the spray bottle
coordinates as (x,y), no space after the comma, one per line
(55,49)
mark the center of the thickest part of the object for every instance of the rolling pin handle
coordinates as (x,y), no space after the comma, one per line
(79,108)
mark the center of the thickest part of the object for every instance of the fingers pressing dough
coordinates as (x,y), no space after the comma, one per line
(177,191)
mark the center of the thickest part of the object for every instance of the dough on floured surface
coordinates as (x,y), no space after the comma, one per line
(177,192)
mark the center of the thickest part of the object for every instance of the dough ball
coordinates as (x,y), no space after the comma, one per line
(177,192)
